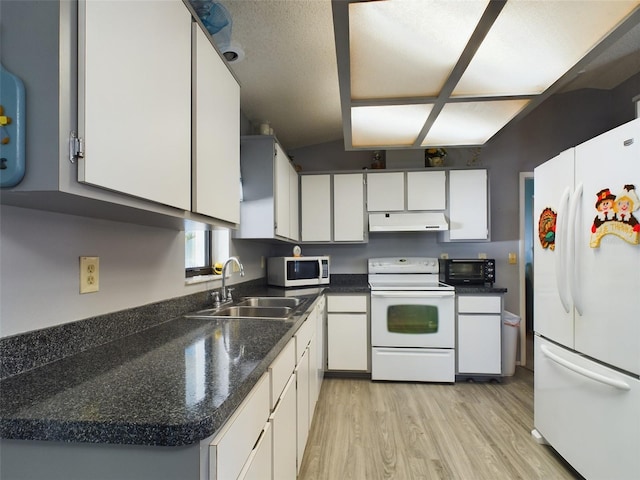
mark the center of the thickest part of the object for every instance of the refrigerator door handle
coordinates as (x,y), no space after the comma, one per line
(612,382)
(572,263)
(561,253)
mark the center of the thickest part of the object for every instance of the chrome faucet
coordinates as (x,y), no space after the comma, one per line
(226,293)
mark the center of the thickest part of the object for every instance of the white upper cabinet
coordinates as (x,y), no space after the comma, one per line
(294,204)
(348,207)
(269,208)
(406,191)
(315,205)
(286,197)
(332,208)
(135,98)
(385,191)
(468,205)
(216,148)
(119,76)
(426,190)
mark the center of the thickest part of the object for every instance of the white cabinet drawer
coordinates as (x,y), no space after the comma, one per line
(413,364)
(479,304)
(347,303)
(281,369)
(231,447)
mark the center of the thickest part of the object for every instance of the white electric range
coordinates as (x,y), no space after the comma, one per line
(412,321)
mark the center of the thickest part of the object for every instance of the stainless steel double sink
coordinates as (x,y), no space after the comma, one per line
(254,307)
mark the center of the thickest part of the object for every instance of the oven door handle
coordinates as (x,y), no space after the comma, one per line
(412,294)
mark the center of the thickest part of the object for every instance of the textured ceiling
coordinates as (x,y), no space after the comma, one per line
(289,75)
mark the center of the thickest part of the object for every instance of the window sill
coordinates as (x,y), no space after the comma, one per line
(201,279)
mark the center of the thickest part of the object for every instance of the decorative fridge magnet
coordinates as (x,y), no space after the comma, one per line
(12,129)
(547,228)
(615,216)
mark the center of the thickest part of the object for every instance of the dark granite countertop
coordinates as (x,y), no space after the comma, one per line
(173,384)
(174,381)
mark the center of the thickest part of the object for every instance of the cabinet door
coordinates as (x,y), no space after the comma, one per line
(282,192)
(294,218)
(320,344)
(348,207)
(347,346)
(302,379)
(134,99)
(283,420)
(259,465)
(286,206)
(385,191)
(468,205)
(216,149)
(315,200)
(479,344)
(231,447)
(426,190)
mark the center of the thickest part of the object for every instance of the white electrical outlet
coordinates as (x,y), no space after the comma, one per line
(482,256)
(89,274)
(444,256)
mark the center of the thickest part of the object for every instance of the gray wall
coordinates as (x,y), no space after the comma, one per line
(138,265)
(561,122)
(39,278)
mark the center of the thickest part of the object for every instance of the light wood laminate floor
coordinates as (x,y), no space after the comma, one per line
(387,430)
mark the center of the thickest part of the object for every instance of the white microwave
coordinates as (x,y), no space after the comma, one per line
(298,271)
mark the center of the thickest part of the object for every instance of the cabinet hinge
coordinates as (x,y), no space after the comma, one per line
(76,147)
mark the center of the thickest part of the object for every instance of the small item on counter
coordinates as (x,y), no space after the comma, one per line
(297,251)
(217,269)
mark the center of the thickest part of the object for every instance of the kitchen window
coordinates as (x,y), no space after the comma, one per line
(206,251)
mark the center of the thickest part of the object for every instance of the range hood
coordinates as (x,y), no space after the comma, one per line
(408,222)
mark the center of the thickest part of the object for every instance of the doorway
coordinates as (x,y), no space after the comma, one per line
(527,228)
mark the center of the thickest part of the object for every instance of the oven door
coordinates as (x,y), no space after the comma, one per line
(413,319)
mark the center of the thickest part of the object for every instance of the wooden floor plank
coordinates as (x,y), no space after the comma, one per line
(388,430)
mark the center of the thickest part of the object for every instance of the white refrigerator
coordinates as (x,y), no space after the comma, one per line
(587,305)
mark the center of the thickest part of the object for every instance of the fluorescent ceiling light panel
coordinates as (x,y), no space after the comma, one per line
(391,125)
(533,43)
(471,123)
(423,73)
(403,49)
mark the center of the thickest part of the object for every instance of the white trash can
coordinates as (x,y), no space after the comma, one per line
(510,334)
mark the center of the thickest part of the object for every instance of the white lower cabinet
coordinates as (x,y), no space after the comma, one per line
(479,330)
(283,431)
(347,332)
(233,445)
(302,381)
(266,436)
(259,465)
